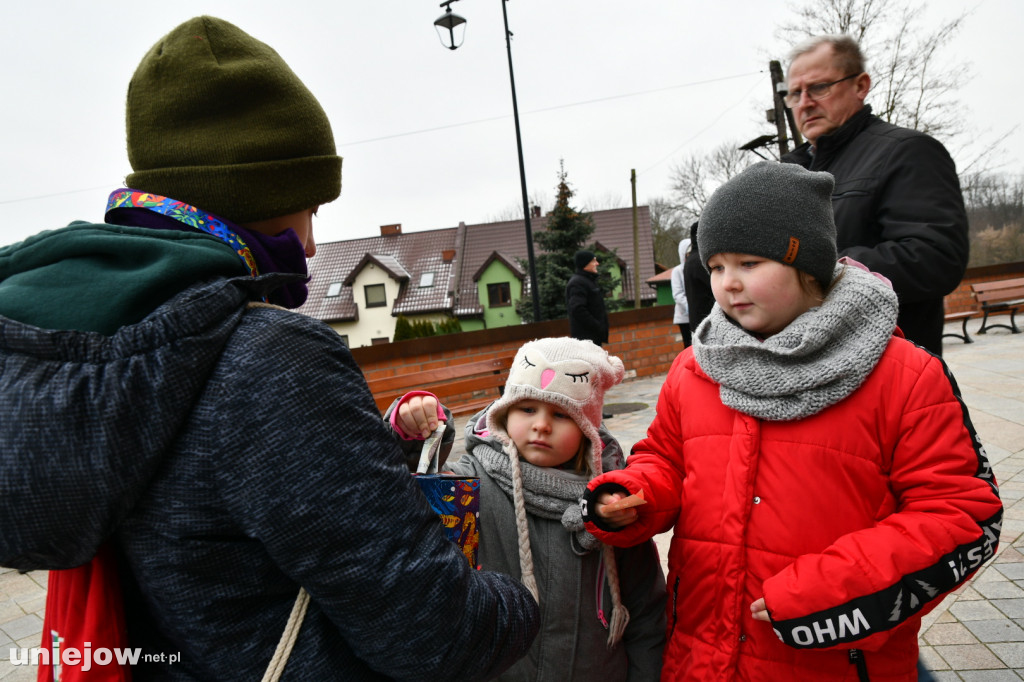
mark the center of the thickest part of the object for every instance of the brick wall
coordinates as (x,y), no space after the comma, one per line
(645,340)
(960,300)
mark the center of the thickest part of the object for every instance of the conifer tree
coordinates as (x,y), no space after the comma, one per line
(403,329)
(567,231)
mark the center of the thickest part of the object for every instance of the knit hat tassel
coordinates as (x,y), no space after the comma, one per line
(620,614)
(525,553)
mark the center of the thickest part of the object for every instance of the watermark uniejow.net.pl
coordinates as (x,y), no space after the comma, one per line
(86,658)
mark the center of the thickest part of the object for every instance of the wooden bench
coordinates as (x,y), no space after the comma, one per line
(462,387)
(1001,296)
(963,317)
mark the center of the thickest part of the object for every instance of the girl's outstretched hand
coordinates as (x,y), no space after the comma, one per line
(614,518)
(759,610)
(419,415)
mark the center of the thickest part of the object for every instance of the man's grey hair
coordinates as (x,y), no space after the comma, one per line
(846,52)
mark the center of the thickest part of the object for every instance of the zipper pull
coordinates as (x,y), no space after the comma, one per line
(857,658)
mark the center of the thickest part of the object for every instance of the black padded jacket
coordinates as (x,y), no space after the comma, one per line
(898,210)
(584,301)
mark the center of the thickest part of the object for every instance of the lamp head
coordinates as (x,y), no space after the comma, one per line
(451,28)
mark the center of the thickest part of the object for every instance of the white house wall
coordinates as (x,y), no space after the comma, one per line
(373,323)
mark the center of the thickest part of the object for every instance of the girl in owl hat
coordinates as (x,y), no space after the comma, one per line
(534,449)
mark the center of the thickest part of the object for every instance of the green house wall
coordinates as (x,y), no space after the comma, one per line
(503,316)
(664,290)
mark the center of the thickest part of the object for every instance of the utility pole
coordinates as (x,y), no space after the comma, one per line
(636,244)
(783,114)
(779,117)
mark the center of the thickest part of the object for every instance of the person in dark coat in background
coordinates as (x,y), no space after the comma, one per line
(584,301)
(699,297)
(160,400)
(897,202)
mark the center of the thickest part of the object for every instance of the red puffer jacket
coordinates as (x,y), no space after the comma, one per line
(851,523)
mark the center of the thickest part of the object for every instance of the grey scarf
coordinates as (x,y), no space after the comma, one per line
(548,493)
(819,359)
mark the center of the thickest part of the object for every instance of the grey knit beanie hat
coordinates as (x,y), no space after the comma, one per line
(779,211)
(216,119)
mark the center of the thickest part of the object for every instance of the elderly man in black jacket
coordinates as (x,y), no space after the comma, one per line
(897,200)
(584,301)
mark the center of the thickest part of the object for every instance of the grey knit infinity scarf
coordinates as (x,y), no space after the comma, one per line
(819,359)
(548,493)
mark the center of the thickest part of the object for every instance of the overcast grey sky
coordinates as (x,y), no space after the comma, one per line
(426,133)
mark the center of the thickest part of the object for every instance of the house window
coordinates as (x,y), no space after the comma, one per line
(376,297)
(426,280)
(344,339)
(380,341)
(499,294)
(334,290)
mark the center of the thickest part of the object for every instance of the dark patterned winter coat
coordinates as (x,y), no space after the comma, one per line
(233,453)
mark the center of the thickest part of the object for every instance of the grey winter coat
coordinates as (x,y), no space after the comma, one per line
(573,594)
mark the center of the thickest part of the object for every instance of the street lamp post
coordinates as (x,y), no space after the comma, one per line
(447,24)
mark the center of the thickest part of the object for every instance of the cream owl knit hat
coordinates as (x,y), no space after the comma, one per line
(570,373)
(573,374)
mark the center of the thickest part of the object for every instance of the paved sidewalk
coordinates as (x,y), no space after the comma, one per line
(976,634)
(22,598)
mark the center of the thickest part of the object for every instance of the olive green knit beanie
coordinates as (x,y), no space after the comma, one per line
(218,120)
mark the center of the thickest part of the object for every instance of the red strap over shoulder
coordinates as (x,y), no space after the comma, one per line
(84,628)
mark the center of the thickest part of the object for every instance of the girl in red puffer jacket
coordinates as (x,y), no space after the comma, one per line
(824,482)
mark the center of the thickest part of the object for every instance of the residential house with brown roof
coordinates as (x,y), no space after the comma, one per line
(662,285)
(470,272)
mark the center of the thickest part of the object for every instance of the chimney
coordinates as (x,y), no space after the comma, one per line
(448,255)
(536,212)
(390,230)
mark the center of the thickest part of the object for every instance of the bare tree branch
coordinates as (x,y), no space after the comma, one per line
(914,85)
(698,175)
